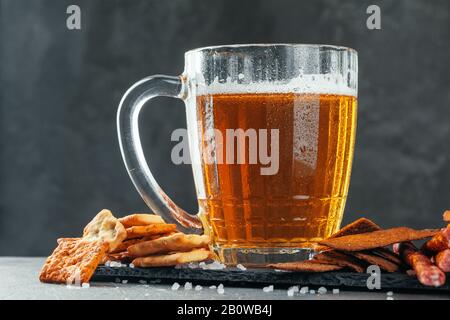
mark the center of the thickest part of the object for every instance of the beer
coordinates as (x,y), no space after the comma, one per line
(304,200)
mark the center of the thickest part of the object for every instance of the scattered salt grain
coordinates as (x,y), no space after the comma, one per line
(241,267)
(107,263)
(131,265)
(292,290)
(220,289)
(215,265)
(312,291)
(335,291)
(268,288)
(390,298)
(212,287)
(322,290)
(304,290)
(198,287)
(175,286)
(124,281)
(85,285)
(188,286)
(193,265)
(390,293)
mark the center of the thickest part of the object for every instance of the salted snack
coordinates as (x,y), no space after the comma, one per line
(446,215)
(140,219)
(341,259)
(178,242)
(442,260)
(439,242)
(376,239)
(129,242)
(150,230)
(427,273)
(305,266)
(362,225)
(172,259)
(74,259)
(373,259)
(107,228)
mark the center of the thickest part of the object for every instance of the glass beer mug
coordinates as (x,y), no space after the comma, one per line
(271,132)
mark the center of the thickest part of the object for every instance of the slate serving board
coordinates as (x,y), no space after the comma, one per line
(261,277)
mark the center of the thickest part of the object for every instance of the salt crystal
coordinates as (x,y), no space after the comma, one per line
(131,265)
(335,291)
(124,281)
(304,290)
(107,263)
(213,266)
(175,286)
(220,289)
(322,290)
(390,293)
(268,288)
(188,286)
(85,285)
(198,288)
(312,291)
(193,265)
(290,292)
(241,267)
(212,287)
(390,298)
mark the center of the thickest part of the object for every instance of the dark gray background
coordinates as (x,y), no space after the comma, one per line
(59,157)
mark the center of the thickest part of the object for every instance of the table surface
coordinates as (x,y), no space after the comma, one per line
(19,280)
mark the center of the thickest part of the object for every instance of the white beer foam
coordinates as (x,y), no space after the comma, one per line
(304,84)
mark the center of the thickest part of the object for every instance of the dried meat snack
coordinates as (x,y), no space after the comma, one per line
(334,257)
(439,242)
(427,273)
(376,239)
(374,259)
(388,255)
(73,259)
(361,225)
(305,266)
(442,260)
(446,216)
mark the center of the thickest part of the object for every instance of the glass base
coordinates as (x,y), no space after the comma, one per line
(258,257)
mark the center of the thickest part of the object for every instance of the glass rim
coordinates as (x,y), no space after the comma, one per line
(263,45)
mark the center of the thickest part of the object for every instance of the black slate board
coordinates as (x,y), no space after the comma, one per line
(260,277)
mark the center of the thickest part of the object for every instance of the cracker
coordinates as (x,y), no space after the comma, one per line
(125,244)
(373,259)
(341,259)
(178,242)
(150,230)
(140,219)
(376,239)
(123,257)
(173,258)
(105,227)
(305,266)
(73,258)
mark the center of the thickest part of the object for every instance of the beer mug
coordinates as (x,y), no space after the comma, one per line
(271,130)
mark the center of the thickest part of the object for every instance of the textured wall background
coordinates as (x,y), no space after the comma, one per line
(59,91)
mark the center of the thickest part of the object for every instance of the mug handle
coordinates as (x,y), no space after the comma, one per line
(133,156)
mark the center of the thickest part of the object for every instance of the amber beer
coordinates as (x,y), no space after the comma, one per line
(304,201)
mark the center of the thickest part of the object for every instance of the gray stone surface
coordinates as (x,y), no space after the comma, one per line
(19,280)
(59,91)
